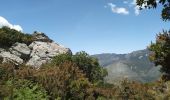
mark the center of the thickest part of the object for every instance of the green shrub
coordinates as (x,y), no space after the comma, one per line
(25,90)
(6,72)
(10,36)
(65,81)
(89,65)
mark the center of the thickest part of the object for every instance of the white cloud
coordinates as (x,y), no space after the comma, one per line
(4,22)
(118,10)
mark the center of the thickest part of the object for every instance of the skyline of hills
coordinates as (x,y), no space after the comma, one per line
(134,66)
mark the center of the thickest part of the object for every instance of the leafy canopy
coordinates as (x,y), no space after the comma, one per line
(161,52)
(161,49)
(153,4)
(89,65)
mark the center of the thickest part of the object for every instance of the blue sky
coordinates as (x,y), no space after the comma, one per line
(94,26)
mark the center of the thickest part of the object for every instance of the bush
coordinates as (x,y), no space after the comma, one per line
(6,72)
(161,53)
(10,36)
(25,90)
(89,65)
(65,81)
(13,84)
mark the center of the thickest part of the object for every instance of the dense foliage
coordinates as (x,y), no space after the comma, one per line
(68,82)
(12,87)
(89,65)
(154,3)
(161,53)
(63,78)
(64,81)
(10,36)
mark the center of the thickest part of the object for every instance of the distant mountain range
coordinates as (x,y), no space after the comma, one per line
(134,66)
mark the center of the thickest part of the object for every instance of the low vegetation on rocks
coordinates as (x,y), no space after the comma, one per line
(8,37)
(31,49)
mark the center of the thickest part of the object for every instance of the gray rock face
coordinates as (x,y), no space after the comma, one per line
(21,50)
(44,51)
(7,56)
(40,51)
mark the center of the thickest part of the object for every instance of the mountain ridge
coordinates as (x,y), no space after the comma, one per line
(134,66)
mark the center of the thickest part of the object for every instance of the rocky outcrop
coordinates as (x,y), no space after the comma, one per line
(7,56)
(40,51)
(39,36)
(44,51)
(21,50)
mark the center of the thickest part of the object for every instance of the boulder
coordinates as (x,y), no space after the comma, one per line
(21,50)
(43,52)
(7,56)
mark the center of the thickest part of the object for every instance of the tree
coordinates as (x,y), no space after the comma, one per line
(161,53)
(153,4)
(89,65)
(161,49)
